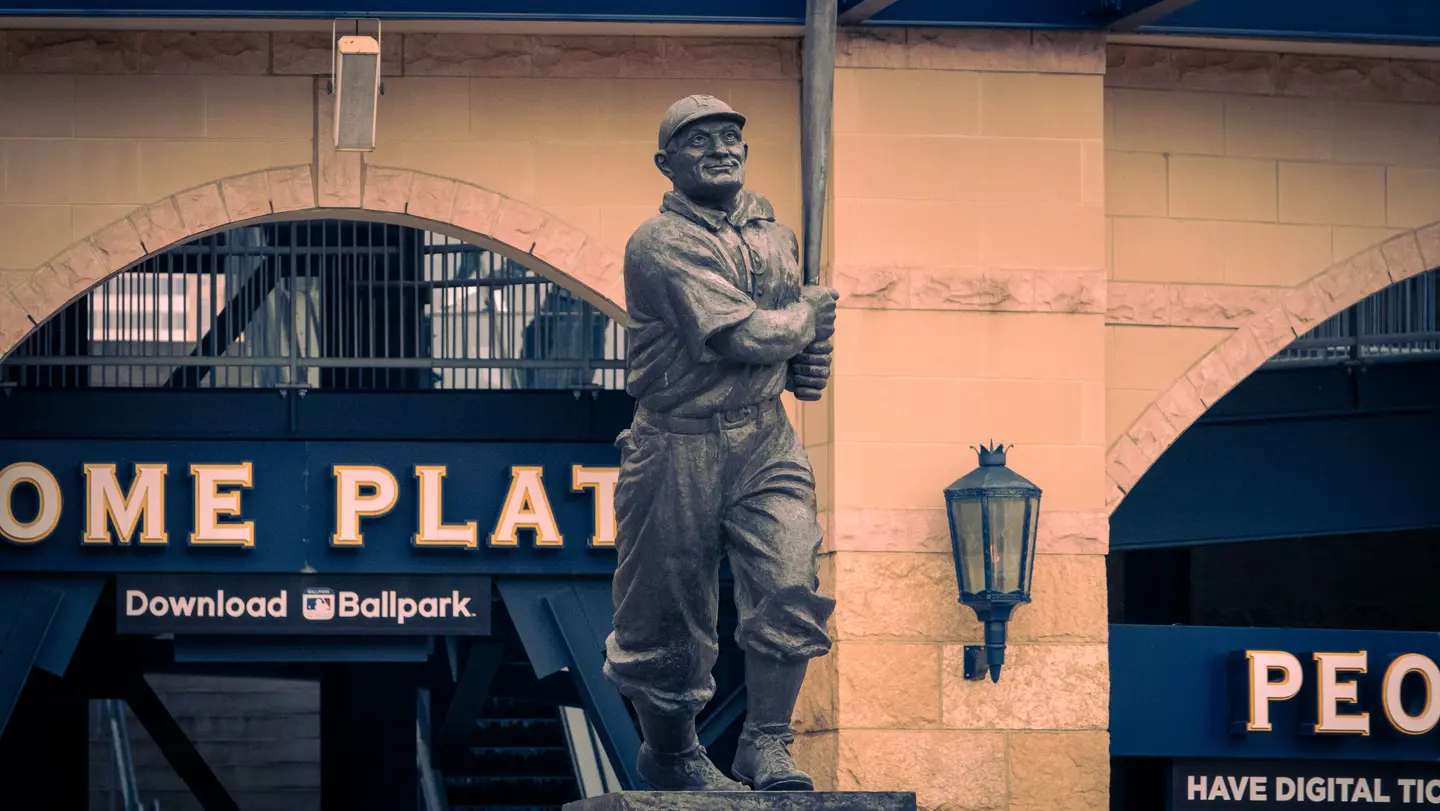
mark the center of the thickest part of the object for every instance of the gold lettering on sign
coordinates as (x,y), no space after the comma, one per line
(1425,720)
(1331,692)
(106,505)
(526,507)
(1263,691)
(433,529)
(602,480)
(352,502)
(211,504)
(46,517)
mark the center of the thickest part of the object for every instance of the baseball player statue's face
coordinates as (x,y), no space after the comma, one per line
(706,161)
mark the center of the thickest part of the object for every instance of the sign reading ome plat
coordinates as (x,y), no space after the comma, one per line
(303,604)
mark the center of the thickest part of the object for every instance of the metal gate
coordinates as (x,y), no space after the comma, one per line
(328,304)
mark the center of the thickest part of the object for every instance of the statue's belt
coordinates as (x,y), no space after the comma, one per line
(718,421)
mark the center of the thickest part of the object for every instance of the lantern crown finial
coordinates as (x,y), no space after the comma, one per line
(991,455)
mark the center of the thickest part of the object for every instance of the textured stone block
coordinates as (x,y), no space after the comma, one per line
(1076,532)
(599,57)
(946,769)
(118,245)
(815,709)
(201,208)
(14,324)
(1068,52)
(888,685)
(815,753)
(1352,280)
(73,52)
(746,801)
(1403,257)
(1069,291)
(225,53)
(1040,687)
(558,243)
(1271,328)
(433,198)
(1241,353)
(705,58)
(1113,495)
(980,49)
(1352,78)
(1409,80)
(872,287)
(1126,463)
(1140,66)
(1226,71)
(1181,404)
(1203,305)
(291,189)
(387,189)
(1138,303)
(82,265)
(1305,308)
(881,530)
(599,268)
(1059,771)
(1429,239)
(899,597)
(1068,602)
(158,225)
(1153,432)
(493,55)
(518,224)
(247,196)
(44,293)
(870,48)
(304,53)
(1211,378)
(972,289)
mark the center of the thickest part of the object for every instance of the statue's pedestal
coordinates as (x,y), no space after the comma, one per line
(748,801)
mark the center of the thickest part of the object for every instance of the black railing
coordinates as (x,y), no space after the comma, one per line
(325,304)
(1396,324)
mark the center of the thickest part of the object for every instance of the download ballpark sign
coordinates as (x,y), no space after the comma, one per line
(303,604)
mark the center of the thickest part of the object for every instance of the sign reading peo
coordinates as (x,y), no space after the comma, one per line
(134,513)
(1340,693)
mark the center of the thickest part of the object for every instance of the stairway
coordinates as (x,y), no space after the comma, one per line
(516,760)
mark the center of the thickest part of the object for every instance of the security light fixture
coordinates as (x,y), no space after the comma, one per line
(993,514)
(355,84)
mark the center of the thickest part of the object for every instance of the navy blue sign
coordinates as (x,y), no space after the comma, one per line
(302,604)
(1244,785)
(1253,693)
(293,507)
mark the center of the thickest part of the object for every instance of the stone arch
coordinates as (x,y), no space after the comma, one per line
(1257,339)
(521,231)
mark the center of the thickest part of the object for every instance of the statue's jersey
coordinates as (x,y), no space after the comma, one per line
(691,272)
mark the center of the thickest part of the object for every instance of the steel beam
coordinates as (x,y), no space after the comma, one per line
(182,755)
(20,647)
(1147,15)
(864,10)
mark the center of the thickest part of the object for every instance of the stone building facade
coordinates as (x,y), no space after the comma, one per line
(1040,238)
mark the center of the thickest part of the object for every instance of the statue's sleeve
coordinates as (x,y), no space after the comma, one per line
(682,279)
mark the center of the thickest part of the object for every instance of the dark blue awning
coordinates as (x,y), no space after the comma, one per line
(1413,21)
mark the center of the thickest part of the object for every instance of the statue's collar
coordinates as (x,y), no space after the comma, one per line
(749,208)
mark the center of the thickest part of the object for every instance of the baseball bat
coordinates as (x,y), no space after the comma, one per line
(816,107)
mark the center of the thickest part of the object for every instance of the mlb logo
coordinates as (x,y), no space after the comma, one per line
(318,604)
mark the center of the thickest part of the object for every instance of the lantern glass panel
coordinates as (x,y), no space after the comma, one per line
(1007,539)
(1030,541)
(967,529)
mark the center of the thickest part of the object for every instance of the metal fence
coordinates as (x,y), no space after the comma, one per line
(325,304)
(1396,324)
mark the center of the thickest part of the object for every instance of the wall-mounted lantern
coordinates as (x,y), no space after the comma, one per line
(355,84)
(993,513)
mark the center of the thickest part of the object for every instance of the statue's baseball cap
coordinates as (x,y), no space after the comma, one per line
(690,109)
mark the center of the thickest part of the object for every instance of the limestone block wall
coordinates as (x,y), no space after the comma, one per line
(1232,179)
(968,242)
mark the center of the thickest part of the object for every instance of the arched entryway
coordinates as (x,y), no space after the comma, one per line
(299,348)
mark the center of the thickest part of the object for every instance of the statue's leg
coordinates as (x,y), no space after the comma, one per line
(666,593)
(774,539)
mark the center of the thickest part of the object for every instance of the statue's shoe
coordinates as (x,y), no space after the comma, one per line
(763,761)
(690,770)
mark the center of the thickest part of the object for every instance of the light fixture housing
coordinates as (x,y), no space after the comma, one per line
(356,86)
